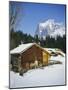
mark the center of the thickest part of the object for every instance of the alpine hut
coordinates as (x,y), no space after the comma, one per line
(29,55)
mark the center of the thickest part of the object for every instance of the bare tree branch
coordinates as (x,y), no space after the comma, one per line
(14,15)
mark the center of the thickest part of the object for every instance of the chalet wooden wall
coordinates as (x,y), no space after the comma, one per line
(32,54)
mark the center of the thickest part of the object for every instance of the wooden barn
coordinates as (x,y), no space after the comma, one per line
(29,55)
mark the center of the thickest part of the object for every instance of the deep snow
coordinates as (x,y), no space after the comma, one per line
(49,75)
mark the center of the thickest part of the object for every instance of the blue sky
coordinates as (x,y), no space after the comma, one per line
(34,13)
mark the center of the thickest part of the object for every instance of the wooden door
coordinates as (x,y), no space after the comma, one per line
(45,58)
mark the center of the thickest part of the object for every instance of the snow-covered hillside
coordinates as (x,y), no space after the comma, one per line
(51,28)
(49,75)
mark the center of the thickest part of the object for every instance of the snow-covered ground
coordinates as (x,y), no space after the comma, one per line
(49,75)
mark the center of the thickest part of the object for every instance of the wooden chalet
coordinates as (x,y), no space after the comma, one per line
(29,55)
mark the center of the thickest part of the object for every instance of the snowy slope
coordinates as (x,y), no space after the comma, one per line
(50,75)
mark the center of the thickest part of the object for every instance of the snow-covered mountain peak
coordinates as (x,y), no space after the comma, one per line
(51,28)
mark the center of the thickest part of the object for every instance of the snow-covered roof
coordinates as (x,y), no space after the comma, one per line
(51,49)
(55,50)
(21,48)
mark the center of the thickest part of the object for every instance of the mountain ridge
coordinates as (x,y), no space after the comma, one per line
(50,28)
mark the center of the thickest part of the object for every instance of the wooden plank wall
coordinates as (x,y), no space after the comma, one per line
(31,54)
